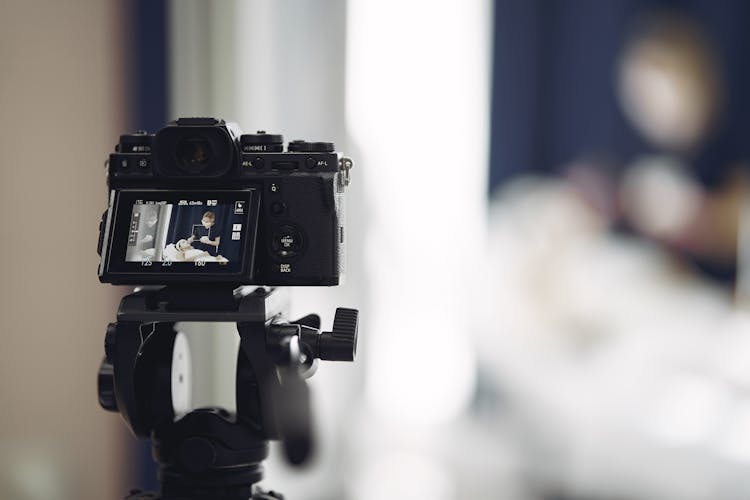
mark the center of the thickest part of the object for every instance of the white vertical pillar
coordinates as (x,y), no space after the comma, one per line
(418,112)
(418,109)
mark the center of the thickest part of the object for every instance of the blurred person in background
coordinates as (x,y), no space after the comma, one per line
(686,193)
(618,152)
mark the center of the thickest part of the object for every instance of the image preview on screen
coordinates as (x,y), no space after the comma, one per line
(186,231)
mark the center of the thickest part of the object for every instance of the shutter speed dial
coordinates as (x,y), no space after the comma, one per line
(310,147)
(261,142)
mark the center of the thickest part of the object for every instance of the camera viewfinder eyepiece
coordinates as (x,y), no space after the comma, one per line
(195,148)
(193,153)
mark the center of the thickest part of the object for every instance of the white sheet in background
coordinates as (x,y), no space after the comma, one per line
(627,376)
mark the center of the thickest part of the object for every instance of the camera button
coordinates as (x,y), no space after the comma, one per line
(259,162)
(102,224)
(277,208)
(310,162)
(143,163)
(285,165)
(287,241)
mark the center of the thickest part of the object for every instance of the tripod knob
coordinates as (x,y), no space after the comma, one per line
(109,342)
(106,387)
(340,344)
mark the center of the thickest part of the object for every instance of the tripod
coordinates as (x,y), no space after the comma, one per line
(210,453)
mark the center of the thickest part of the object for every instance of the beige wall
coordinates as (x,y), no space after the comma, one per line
(61,108)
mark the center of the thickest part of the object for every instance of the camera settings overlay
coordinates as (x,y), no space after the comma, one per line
(189,233)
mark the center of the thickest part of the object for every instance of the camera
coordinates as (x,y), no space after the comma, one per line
(199,202)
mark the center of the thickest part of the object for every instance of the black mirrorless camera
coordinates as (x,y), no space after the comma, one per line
(200,203)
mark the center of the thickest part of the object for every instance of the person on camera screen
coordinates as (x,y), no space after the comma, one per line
(206,235)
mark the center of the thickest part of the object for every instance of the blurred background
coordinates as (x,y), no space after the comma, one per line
(549,237)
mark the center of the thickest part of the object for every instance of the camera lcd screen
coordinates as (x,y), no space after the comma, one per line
(174,233)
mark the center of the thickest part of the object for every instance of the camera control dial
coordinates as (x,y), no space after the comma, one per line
(310,147)
(287,241)
(138,142)
(261,142)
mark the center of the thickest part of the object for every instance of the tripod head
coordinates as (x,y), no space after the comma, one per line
(210,453)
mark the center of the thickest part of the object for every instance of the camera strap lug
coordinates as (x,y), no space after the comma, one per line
(345,165)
